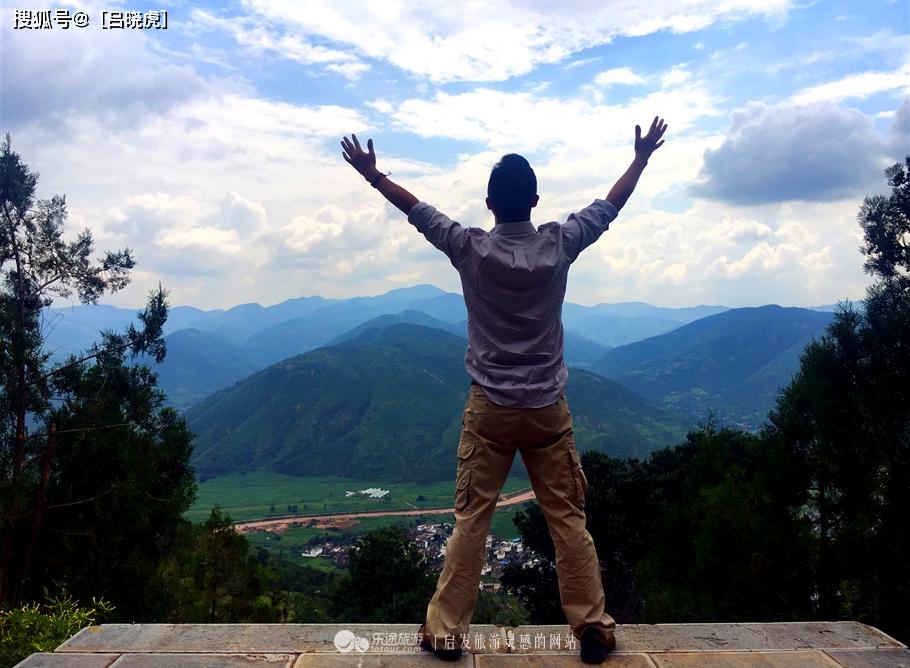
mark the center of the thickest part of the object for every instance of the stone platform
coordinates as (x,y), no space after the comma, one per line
(777,645)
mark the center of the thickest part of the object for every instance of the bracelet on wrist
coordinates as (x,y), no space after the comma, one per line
(376,179)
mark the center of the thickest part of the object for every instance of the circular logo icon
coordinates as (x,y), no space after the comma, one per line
(346,641)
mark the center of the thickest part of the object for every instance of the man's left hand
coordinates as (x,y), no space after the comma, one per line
(363,161)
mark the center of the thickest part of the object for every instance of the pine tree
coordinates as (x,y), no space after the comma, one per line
(36,265)
(847,415)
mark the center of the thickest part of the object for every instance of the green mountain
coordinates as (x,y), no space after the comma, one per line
(581,352)
(198,363)
(732,363)
(319,327)
(408,317)
(387,404)
(578,351)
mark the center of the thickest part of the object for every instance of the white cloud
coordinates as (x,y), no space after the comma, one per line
(50,74)
(578,63)
(381,105)
(677,75)
(258,39)
(491,41)
(618,75)
(350,71)
(855,86)
(715,253)
(228,197)
(521,121)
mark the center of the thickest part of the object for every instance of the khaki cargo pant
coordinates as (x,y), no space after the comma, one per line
(491,434)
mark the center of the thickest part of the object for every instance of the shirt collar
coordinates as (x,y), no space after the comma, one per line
(522,227)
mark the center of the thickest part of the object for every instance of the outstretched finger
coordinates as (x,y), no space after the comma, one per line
(658,144)
(637,133)
(370,146)
(346,158)
(348,146)
(356,143)
(653,125)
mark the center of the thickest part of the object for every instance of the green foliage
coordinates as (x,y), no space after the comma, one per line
(886,226)
(213,575)
(388,580)
(133,494)
(535,587)
(298,594)
(729,542)
(42,627)
(847,417)
(216,575)
(499,608)
(706,531)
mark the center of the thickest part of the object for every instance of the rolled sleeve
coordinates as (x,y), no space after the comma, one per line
(440,230)
(583,228)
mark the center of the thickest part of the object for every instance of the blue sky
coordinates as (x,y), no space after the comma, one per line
(211,148)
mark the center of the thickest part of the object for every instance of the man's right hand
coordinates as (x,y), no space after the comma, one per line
(645,146)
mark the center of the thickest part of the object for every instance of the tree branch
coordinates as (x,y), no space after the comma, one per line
(64,505)
(57,370)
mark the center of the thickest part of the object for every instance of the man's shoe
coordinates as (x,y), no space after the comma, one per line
(444,654)
(593,649)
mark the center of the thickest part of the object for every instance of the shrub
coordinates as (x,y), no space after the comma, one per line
(42,627)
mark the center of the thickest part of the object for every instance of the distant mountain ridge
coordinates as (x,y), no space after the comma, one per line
(253,336)
(250,337)
(387,404)
(71,328)
(733,362)
(199,363)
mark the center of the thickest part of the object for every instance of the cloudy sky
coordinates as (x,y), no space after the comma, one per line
(211,148)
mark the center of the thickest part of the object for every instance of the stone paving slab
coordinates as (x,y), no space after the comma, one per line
(562,660)
(367,660)
(772,645)
(300,638)
(773,636)
(54,660)
(180,660)
(253,638)
(792,659)
(874,658)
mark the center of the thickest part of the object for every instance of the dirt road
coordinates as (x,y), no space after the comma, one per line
(345,520)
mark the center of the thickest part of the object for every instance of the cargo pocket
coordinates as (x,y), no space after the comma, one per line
(462,488)
(579,480)
(466,445)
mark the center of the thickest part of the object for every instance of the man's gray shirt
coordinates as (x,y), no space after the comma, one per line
(514,280)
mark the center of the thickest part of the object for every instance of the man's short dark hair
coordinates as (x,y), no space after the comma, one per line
(512,188)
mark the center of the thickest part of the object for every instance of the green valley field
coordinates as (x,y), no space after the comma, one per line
(252,496)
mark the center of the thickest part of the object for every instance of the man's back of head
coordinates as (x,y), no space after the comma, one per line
(512,189)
